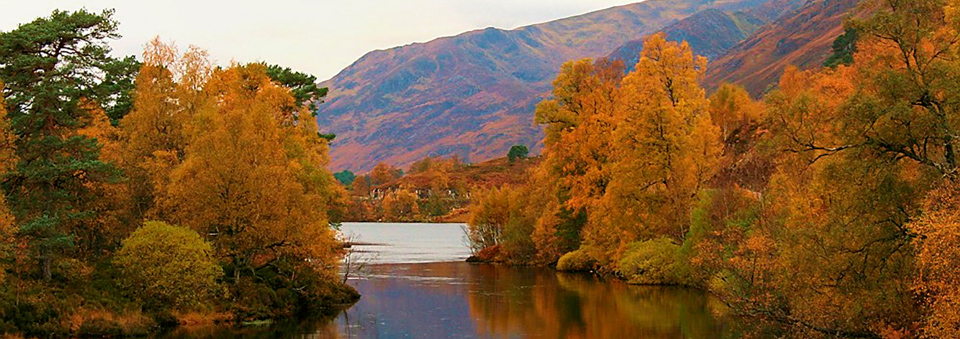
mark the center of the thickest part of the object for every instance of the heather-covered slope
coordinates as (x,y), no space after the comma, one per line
(711,33)
(802,38)
(473,95)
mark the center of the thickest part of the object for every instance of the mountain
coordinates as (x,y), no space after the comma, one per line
(803,38)
(713,32)
(473,95)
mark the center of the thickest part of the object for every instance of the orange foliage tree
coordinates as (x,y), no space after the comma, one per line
(576,155)
(157,131)
(938,256)
(400,205)
(253,178)
(667,149)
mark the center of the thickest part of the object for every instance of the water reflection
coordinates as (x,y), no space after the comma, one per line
(459,300)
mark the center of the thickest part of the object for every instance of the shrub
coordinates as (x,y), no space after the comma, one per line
(168,265)
(576,261)
(654,262)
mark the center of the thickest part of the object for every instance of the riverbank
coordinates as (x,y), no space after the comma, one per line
(94,303)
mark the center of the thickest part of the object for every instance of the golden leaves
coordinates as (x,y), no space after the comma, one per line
(251,179)
(938,256)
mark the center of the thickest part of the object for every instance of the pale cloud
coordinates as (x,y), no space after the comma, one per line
(319,37)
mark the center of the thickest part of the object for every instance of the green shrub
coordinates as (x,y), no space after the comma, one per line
(655,262)
(168,265)
(576,261)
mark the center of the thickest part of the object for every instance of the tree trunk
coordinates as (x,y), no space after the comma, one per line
(46,262)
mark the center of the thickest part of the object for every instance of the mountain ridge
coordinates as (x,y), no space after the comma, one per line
(472,95)
(802,39)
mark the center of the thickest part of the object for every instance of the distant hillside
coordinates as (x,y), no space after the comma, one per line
(713,32)
(473,95)
(802,38)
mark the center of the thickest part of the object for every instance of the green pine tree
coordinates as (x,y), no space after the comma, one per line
(54,67)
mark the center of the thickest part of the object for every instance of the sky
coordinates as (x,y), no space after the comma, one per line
(320,37)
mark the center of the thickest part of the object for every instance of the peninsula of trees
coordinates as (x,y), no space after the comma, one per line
(140,194)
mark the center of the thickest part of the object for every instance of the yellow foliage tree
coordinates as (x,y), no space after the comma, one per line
(731,107)
(400,205)
(666,146)
(938,233)
(252,179)
(577,150)
(155,134)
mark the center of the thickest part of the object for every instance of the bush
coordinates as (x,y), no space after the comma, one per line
(654,262)
(168,265)
(576,261)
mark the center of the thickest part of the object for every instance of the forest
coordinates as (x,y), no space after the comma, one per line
(829,206)
(146,194)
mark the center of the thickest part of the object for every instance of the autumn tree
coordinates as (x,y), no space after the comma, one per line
(157,131)
(400,205)
(384,173)
(489,215)
(113,208)
(576,156)
(906,105)
(50,67)
(667,147)
(731,107)
(862,145)
(253,179)
(361,185)
(938,232)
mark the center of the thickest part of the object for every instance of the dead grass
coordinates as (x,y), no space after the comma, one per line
(203,318)
(130,321)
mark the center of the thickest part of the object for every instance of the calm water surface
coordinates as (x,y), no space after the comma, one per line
(417,286)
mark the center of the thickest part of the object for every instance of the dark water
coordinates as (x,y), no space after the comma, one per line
(454,299)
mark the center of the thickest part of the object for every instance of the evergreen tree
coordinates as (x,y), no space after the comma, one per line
(52,68)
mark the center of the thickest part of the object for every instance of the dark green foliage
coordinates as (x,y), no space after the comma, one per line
(345,177)
(116,90)
(327,136)
(50,66)
(304,86)
(844,47)
(568,231)
(436,204)
(517,152)
(270,293)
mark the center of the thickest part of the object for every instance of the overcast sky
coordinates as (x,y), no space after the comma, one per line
(320,37)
